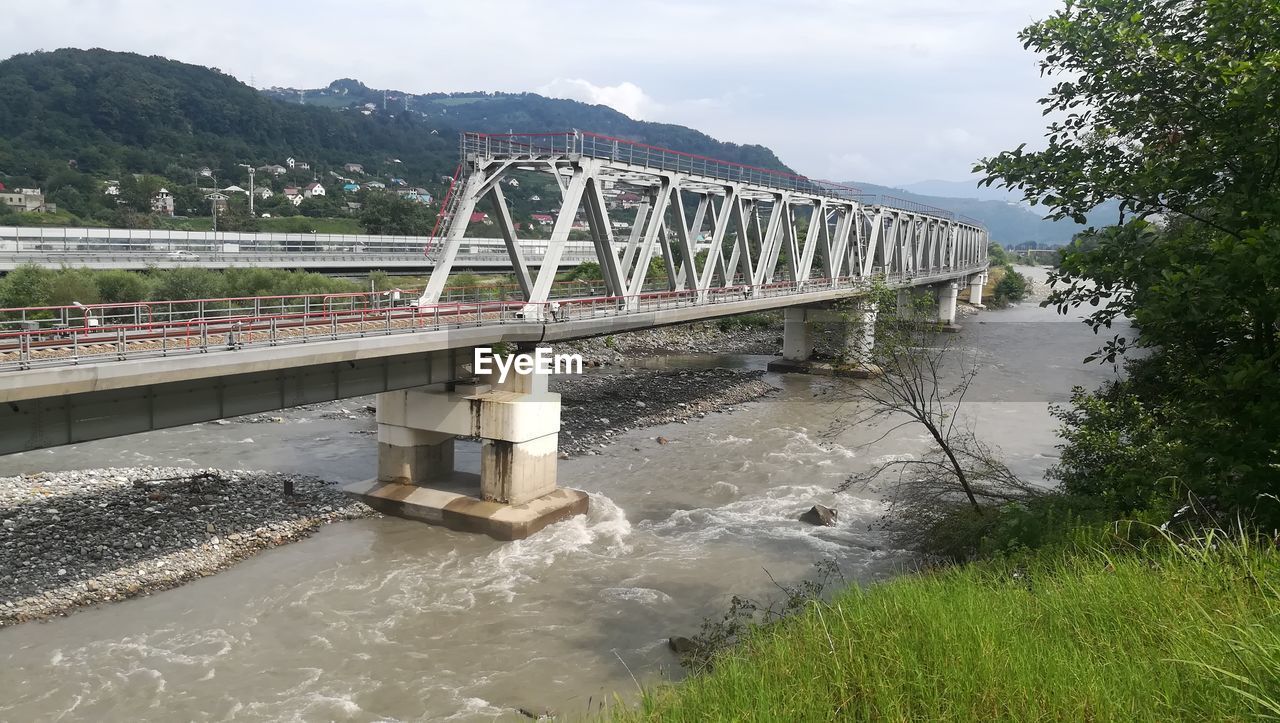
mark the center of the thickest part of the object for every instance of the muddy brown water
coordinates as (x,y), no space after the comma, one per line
(383,619)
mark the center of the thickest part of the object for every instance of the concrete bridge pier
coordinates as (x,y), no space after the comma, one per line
(826,340)
(515,494)
(976,283)
(948,292)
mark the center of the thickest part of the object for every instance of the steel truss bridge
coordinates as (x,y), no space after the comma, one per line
(772,240)
(749,216)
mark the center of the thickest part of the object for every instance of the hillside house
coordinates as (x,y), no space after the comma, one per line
(29,200)
(263,192)
(543,219)
(162,202)
(480,217)
(273,170)
(206,172)
(296,165)
(350,187)
(418,195)
(235,189)
(312,190)
(375,185)
(112,189)
(353,168)
(294,194)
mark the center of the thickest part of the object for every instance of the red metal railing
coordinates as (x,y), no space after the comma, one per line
(113,332)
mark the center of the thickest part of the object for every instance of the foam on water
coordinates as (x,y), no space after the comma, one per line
(643,595)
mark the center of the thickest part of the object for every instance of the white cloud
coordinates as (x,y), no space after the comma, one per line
(625,97)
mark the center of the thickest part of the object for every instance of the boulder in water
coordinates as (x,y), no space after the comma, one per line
(820,515)
(681,645)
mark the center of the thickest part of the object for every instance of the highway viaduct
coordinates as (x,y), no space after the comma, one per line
(127,368)
(139,249)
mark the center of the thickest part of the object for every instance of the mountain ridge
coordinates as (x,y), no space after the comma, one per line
(70,118)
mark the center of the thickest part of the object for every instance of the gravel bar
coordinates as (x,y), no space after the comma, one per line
(70,539)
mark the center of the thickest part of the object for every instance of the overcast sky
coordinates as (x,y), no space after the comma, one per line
(886,91)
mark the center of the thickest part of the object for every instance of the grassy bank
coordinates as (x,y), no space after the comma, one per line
(1163,633)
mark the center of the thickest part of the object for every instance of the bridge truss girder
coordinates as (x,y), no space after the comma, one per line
(749,231)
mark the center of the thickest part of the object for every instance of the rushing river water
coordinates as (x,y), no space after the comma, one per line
(383,619)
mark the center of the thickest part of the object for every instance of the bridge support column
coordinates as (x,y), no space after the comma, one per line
(413,456)
(829,341)
(911,303)
(975,290)
(515,493)
(796,344)
(948,291)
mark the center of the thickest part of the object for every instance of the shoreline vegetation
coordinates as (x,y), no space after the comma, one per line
(1109,626)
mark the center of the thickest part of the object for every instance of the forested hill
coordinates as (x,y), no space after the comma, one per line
(107,113)
(523,112)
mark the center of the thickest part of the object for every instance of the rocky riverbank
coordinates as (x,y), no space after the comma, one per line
(595,408)
(756,334)
(71,539)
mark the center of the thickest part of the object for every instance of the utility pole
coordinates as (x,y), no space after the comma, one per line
(251,189)
(214,198)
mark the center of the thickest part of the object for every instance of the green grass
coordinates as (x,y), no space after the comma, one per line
(1166,633)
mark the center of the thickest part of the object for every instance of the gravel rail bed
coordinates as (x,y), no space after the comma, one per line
(72,539)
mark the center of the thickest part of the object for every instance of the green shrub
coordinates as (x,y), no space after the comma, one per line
(28,285)
(1011,288)
(73,285)
(186,283)
(118,286)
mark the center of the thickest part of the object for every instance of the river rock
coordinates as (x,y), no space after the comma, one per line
(681,645)
(820,515)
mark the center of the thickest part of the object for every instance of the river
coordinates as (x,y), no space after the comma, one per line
(384,619)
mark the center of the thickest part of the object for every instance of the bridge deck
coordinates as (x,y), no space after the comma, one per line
(77,336)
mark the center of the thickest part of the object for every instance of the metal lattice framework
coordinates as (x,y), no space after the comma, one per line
(756,225)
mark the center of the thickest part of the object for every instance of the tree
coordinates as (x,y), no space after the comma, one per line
(390,215)
(921,380)
(1011,288)
(136,192)
(1170,108)
(27,285)
(74,285)
(118,286)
